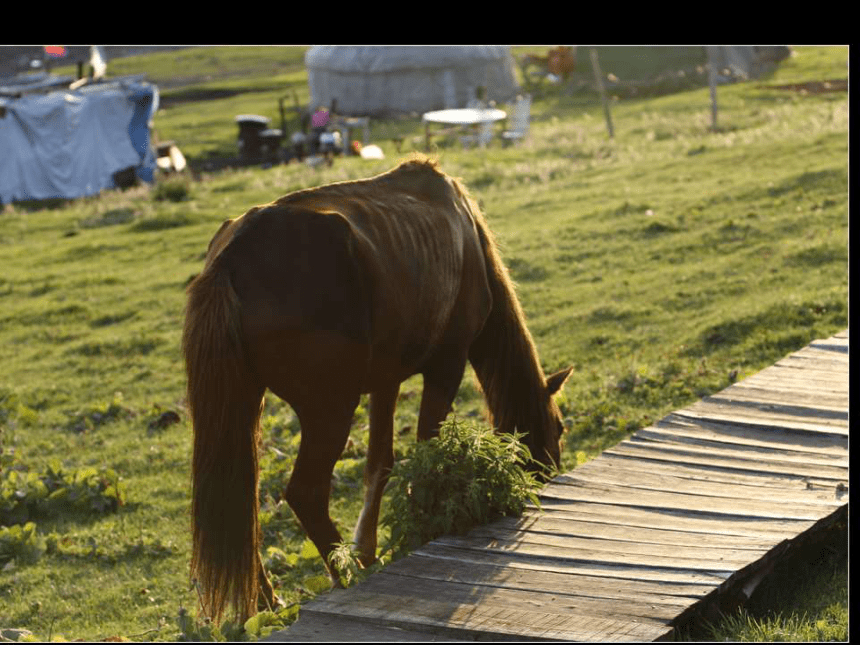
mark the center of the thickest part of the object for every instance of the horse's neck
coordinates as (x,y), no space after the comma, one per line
(506,363)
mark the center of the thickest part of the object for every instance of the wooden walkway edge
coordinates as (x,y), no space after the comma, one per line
(683,517)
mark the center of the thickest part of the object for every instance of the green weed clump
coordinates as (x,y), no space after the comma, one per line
(465,477)
(21,543)
(55,491)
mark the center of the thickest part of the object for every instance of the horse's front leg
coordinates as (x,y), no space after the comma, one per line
(442,378)
(380,459)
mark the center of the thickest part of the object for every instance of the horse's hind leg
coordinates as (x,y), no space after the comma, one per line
(380,459)
(325,429)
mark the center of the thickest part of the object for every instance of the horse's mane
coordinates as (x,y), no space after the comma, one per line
(504,355)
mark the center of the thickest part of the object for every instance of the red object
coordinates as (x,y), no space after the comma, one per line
(55,51)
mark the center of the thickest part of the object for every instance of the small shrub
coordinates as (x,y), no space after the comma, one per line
(463,478)
(344,560)
(20,543)
(55,491)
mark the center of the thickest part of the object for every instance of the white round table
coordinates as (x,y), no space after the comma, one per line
(462,117)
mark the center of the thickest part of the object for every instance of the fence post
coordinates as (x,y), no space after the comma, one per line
(712,79)
(598,76)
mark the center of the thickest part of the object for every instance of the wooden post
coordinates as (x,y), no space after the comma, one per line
(712,79)
(598,76)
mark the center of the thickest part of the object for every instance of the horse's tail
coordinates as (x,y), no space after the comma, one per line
(225,404)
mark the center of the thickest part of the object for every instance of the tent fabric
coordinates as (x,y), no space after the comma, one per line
(69,144)
(383,80)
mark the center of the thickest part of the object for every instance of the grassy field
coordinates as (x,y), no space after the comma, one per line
(660,263)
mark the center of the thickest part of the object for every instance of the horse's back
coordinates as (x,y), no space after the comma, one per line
(380,262)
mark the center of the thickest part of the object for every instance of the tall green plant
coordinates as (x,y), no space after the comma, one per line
(463,478)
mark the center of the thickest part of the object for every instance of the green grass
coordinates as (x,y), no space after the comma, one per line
(658,263)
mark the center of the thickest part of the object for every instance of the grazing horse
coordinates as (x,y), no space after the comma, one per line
(321,296)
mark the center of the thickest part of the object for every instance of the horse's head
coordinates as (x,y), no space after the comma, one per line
(550,454)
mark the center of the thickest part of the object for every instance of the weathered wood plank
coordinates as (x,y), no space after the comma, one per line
(785,486)
(590,528)
(490,611)
(703,522)
(683,557)
(773,418)
(623,496)
(797,384)
(747,449)
(820,403)
(815,361)
(488,573)
(563,600)
(735,433)
(607,472)
(793,375)
(755,406)
(718,475)
(319,627)
(460,555)
(726,460)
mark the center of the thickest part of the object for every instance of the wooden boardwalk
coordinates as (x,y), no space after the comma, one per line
(686,515)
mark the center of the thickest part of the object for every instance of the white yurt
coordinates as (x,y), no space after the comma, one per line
(382,80)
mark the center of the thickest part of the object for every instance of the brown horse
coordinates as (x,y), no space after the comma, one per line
(321,296)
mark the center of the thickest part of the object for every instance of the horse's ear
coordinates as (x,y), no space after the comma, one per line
(555,382)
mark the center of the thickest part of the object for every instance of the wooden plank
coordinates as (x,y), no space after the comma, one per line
(783,485)
(597,550)
(724,459)
(774,418)
(486,621)
(607,472)
(833,348)
(316,627)
(748,449)
(488,573)
(569,566)
(816,359)
(622,496)
(830,402)
(796,367)
(541,588)
(793,376)
(797,384)
(589,528)
(492,611)
(795,373)
(735,433)
(719,471)
(756,406)
(833,344)
(701,524)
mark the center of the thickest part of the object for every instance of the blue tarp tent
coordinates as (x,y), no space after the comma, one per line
(67,144)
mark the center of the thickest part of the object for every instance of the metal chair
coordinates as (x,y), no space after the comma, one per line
(519,122)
